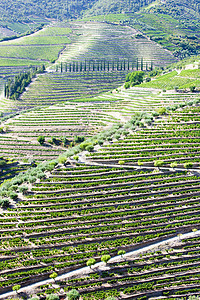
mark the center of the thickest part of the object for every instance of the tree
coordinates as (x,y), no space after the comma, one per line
(16,288)
(188,165)
(140,163)
(41,139)
(192,88)
(53,275)
(110,298)
(91,262)
(121,162)
(73,295)
(135,77)
(173,164)
(105,258)
(158,163)
(161,110)
(121,252)
(89,148)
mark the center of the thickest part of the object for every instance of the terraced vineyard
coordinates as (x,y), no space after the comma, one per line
(77,212)
(101,168)
(100,40)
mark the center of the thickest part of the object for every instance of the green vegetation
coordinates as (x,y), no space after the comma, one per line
(15,87)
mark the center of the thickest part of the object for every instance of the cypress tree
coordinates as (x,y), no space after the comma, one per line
(142,64)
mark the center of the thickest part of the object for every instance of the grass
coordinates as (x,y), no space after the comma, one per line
(53,31)
(4,62)
(171,80)
(38,40)
(31,52)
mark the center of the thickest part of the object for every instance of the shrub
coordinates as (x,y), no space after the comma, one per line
(121,162)
(105,258)
(41,139)
(23,189)
(155,114)
(158,163)
(188,165)
(2,163)
(51,165)
(16,287)
(148,79)
(135,77)
(91,262)
(100,142)
(161,110)
(79,139)
(62,159)
(73,295)
(192,88)
(127,85)
(121,252)
(13,195)
(140,163)
(173,164)
(53,275)
(4,203)
(89,148)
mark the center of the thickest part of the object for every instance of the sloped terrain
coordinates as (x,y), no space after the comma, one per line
(77,212)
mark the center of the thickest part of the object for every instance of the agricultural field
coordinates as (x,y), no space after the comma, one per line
(89,167)
(107,41)
(100,206)
(176,79)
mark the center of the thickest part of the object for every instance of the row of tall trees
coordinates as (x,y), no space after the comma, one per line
(16,86)
(105,65)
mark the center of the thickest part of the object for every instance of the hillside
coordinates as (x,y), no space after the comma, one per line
(99,150)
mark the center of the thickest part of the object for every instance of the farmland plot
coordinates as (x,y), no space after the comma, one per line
(84,211)
(106,41)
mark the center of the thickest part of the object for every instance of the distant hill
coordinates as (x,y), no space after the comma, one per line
(23,10)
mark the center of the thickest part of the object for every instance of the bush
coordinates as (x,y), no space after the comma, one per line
(79,139)
(62,159)
(148,79)
(121,252)
(105,258)
(13,195)
(173,164)
(158,163)
(16,287)
(140,163)
(121,162)
(53,275)
(89,148)
(127,85)
(91,262)
(188,165)
(4,203)
(192,88)
(2,163)
(41,139)
(23,189)
(161,110)
(52,297)
(73,295)
(100,142)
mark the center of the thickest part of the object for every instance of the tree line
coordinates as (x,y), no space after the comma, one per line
(105,65)
(16,86)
